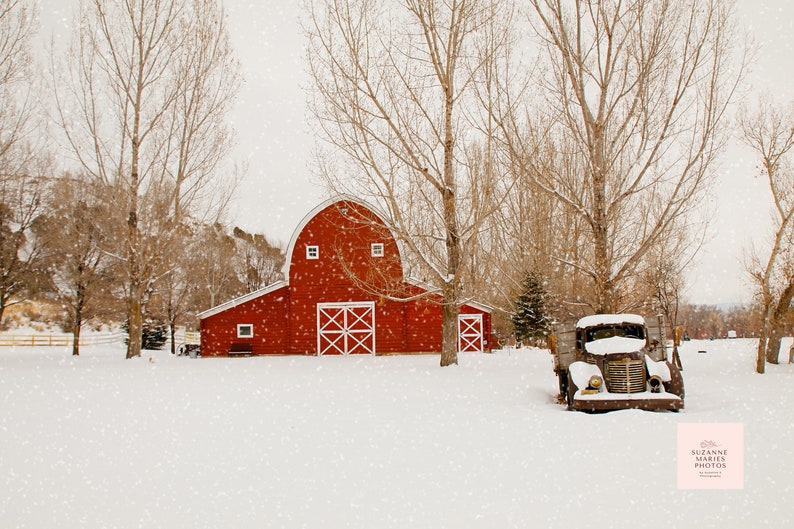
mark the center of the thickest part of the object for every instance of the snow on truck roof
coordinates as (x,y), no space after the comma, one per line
(609,319)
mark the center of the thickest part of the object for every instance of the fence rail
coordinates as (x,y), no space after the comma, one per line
(58,340)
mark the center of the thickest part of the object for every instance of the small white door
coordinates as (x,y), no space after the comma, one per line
(470,333)
(346,328)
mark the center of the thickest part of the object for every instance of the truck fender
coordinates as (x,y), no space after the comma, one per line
(581,373)
(676,383)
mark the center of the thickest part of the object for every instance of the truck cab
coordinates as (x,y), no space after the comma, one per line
(615,361)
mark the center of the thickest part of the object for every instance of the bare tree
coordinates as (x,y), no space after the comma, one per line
(201,139)
(213,268)
(634,103)
(394,92)
(16,102)
(22,167)
(663,274)
(769,131)
(258,262)
(20,206)
(177,287)
(73,250)
(142,107)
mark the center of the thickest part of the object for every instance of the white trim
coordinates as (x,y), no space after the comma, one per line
(242,326)
(471,333)
(241,299)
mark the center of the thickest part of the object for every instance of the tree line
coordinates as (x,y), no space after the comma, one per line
(68,262)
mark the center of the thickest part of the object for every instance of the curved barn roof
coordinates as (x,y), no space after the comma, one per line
(341,199)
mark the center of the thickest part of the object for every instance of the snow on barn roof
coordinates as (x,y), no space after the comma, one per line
(609,319)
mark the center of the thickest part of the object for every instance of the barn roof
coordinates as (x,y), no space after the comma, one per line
(320,207)
(242,299)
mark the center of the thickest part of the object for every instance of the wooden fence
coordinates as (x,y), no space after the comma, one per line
(63,339)
(58,339)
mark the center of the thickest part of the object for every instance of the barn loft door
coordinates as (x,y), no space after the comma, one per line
(345,328)
(470,333)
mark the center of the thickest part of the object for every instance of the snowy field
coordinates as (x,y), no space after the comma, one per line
(362,442)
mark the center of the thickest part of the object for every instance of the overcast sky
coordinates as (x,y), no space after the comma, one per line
(279,189)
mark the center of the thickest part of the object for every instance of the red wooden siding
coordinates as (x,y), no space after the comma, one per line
(270,319)
(285,319)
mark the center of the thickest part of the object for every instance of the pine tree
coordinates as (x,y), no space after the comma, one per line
(529,317)
(154,333)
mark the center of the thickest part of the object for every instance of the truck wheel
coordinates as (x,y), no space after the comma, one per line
(571,391)
(562,382)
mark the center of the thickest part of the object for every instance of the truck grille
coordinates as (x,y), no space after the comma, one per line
(625,376)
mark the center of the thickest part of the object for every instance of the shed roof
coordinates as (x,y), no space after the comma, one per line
(242,299)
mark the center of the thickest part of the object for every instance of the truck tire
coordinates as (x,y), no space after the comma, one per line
(571,391)
(562,382)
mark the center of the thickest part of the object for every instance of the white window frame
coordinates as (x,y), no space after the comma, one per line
(241,326)
(312,252)
(378,249)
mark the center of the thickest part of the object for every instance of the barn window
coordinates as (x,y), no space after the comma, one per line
(377,249)
(312,252)
(245,330)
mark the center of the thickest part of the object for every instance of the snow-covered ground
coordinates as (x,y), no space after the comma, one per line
(362,442)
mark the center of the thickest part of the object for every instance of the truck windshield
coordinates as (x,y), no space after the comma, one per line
(626,330)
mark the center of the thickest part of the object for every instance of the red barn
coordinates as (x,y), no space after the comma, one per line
(345,293)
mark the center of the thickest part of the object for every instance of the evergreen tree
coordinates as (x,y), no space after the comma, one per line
(154,333)
(529,317)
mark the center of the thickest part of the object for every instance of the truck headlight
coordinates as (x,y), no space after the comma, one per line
(595,382)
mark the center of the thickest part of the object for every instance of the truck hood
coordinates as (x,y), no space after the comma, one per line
(615,344)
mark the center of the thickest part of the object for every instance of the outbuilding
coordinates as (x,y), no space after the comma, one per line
(345,292)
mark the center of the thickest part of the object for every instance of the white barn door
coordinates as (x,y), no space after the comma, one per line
(346,328)
(470,333)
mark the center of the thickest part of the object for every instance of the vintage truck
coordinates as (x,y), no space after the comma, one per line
(616,361)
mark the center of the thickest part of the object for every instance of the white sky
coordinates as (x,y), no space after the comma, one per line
(274,140)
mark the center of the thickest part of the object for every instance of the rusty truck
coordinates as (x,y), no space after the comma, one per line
(616,361)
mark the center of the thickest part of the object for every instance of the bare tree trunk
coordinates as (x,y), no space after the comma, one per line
(773,347)
(136,289)
(76,335)
(172,332)
(760,357)
(78,321)
(778,322)
(135,315)
(449,334)
(770,132)
(600,224)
